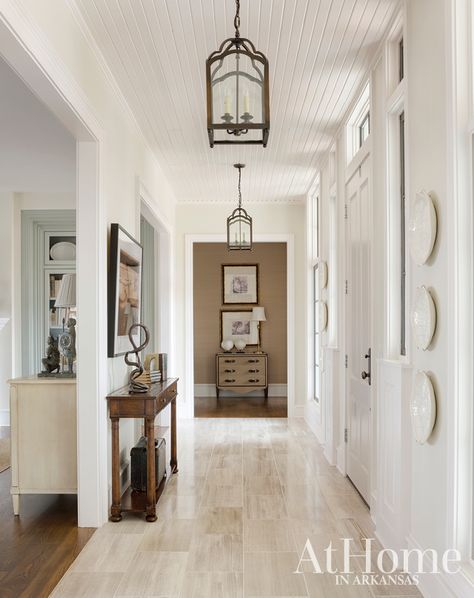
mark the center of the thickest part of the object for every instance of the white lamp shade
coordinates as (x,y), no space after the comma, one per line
(67,291)
(258,314)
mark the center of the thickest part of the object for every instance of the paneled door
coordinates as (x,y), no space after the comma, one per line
(358,334)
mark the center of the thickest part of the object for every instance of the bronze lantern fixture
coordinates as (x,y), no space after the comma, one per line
(238,97)
(239,223)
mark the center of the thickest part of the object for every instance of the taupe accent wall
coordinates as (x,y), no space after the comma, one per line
(208,260)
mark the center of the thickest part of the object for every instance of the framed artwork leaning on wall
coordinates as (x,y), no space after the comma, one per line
(125,290)
(240,284)
(238,325)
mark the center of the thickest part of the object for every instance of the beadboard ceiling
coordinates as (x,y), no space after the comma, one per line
(318,51)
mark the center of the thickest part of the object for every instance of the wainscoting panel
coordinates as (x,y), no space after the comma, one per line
(393,442)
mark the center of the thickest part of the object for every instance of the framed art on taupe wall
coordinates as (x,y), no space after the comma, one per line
(238,325)
(125,290)
(240,284)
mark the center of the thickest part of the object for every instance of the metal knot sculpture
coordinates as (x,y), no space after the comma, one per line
(137,386)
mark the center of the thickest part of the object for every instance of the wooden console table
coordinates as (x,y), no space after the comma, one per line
(146,406)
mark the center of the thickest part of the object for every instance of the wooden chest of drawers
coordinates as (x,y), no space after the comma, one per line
(242,372)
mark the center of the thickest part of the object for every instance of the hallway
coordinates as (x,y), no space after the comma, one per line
(233,522)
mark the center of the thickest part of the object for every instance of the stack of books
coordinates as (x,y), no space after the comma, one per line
(155,376)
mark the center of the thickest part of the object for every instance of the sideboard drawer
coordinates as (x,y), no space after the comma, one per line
(242,371)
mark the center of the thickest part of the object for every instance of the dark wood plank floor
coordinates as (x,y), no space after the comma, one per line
(37,547)
(247,406)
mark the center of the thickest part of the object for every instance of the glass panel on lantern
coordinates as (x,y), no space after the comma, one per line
(240,232)
(224,93)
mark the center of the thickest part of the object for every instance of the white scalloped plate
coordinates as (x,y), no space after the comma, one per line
(323,274)
(423,228)
(323,316)
(422,407)
(423,318)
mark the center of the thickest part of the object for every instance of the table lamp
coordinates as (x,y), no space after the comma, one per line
(258,315)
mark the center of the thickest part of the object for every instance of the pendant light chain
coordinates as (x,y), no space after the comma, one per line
(237,18)
(240,192)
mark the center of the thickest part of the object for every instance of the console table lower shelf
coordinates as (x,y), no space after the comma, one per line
(147,406)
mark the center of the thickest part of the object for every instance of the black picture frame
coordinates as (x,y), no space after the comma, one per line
(248,273)
(124,289)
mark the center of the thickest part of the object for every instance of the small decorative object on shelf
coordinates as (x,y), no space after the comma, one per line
(227,345)
(240,345)
(163,365)
(67,346)
(51,361)
(150,375)
(135,385)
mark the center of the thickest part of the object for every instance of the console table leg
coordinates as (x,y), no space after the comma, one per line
(151,481)
(174,450)
(116,508)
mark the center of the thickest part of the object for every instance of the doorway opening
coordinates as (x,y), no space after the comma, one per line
(240,381)
(189,403)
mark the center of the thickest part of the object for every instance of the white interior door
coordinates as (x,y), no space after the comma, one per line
(358,334)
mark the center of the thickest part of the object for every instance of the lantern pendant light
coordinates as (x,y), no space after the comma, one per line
(239,223)
(238,104)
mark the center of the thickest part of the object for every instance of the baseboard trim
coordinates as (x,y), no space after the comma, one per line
(209,390)
(434,585)
(4,417)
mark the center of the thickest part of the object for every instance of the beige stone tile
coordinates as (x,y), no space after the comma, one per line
(330,485)
(220,520)
(107,553)
(212,585)
(231,448)
(305,502)
(185,485)
(87,585)
(259,467)
(346,506)
(222,496)
(154,574)
(268,535)
(262,485)
(234,462)
(178,507)
(257,451)
(272,574)
(264,506)
(171,535)
(216,552)
(224,477)
(325,586)
(130,524)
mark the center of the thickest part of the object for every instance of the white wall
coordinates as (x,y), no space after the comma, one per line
(37,153)
(54,37)
(410,483)
(211,219)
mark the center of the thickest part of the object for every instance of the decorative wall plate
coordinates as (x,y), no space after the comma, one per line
(323,274)
(63,251)
(323,316)
(423,228)
(422,407)
(423,318)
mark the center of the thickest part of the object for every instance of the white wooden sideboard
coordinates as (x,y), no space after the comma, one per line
(43,437)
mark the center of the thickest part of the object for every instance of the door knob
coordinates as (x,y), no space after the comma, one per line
(365,375)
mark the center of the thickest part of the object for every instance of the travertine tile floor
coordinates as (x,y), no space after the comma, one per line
(233,522)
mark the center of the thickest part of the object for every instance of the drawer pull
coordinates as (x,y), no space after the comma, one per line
(253,371)
(254,360)
(230,380)
(229,371)
(253,380)
(229,360)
